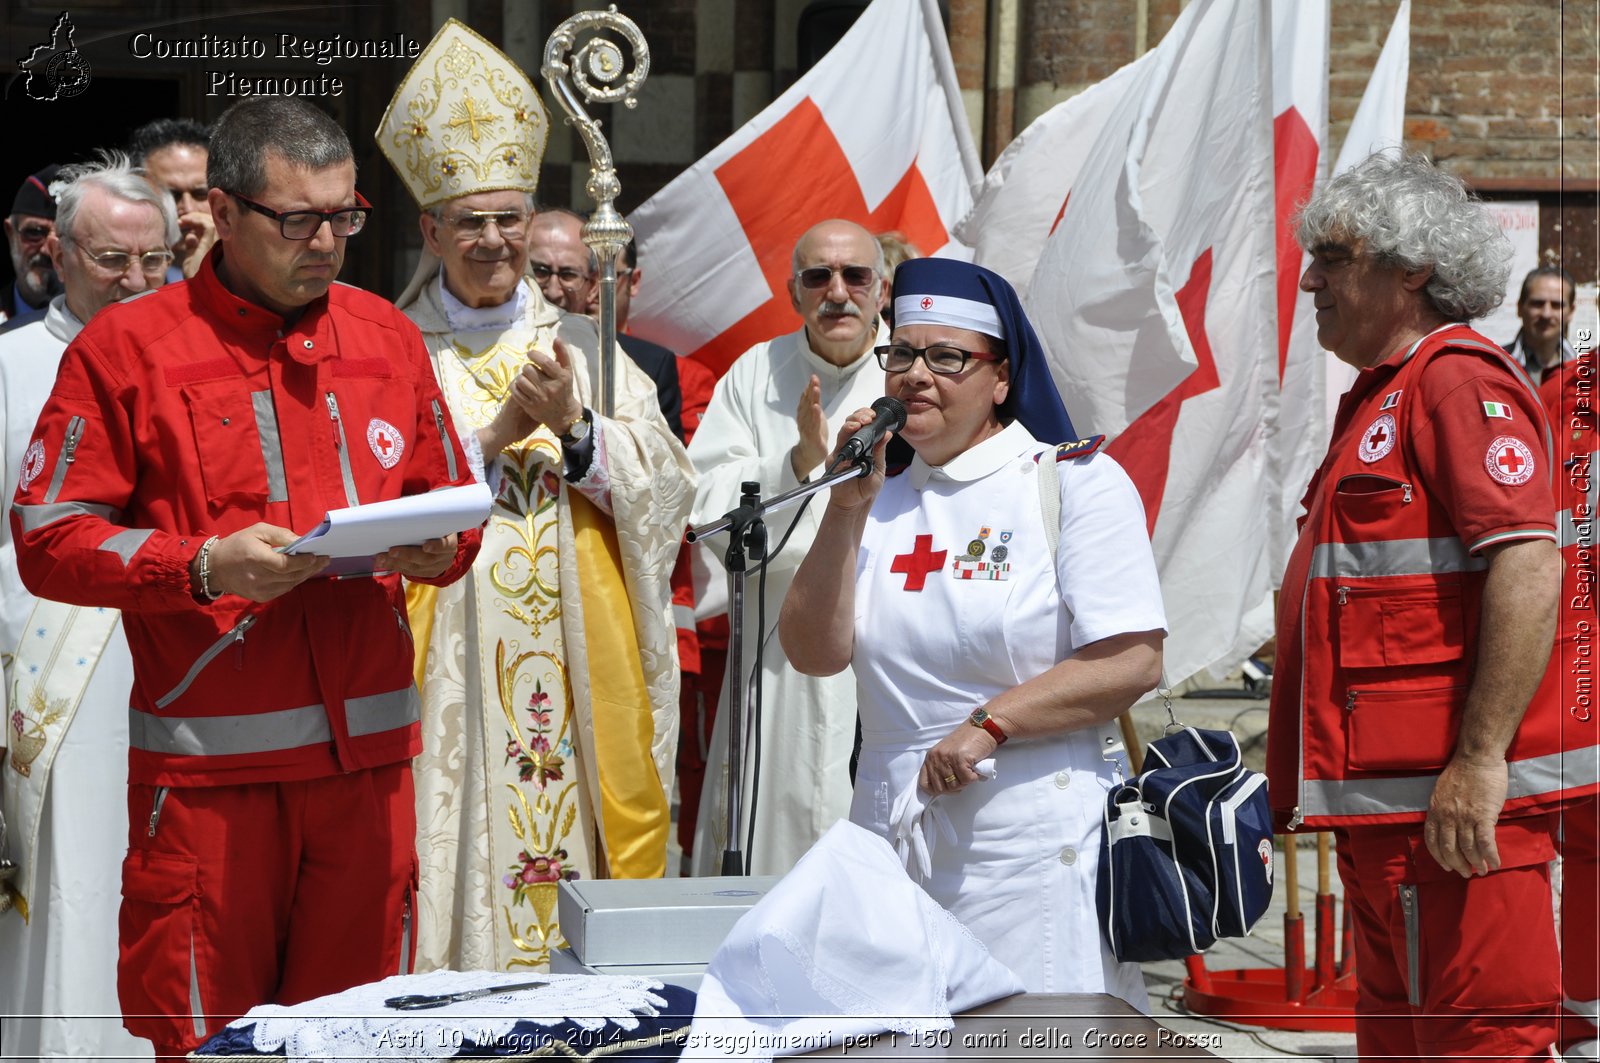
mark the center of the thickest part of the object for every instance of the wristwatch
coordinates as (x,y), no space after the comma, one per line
(578,431)
(980,718)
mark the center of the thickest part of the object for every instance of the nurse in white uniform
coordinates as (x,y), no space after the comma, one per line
(973,640)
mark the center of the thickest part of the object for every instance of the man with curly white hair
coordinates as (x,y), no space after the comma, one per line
(1418,610)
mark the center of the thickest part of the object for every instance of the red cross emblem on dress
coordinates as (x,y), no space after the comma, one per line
(916,565)
(1378,439)
(386,442)
(1509,461)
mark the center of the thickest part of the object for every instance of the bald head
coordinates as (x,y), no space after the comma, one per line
(559,260)
(838,287)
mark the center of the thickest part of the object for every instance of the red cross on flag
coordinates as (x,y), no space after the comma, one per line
(1155,296)
(876,133)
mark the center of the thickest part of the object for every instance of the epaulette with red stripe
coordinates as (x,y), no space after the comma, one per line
(1080,448)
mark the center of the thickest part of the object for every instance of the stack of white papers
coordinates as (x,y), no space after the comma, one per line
(357,533)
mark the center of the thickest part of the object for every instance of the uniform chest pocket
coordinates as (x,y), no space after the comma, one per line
(1388,627)
(236,438)
(1364,502)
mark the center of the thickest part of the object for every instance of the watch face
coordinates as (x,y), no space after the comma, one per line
(980,716)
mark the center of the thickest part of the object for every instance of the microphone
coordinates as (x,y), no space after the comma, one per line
(891,417)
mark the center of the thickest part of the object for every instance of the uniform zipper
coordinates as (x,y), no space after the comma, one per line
(444,440)
(155,809)
(234,635)
(69,454)
(342,445)
(1408,908)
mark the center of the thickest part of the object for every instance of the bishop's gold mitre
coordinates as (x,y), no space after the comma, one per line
(465,119)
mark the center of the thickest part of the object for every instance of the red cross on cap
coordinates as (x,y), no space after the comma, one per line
(916,565)
(927,302)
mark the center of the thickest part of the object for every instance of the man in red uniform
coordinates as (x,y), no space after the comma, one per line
(1416,620)
(1569,395)
(273,715)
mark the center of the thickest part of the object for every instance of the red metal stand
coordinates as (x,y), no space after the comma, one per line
(1278,998)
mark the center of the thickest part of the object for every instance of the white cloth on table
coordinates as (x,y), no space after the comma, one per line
(1022,874)
(808,722)
(355,1024)
(845,945)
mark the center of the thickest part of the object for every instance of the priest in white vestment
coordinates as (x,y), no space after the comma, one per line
(549,716)
(67,669)
(769,421)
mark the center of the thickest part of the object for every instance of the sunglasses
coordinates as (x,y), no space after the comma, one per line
(816,278)
(474,223)
(33,233)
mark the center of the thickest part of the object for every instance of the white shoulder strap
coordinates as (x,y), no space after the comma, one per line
(1050,499)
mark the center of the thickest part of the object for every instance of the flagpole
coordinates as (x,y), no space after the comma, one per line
(592,74)
(944,66)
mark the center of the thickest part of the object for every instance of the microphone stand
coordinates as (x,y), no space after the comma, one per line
(747,538)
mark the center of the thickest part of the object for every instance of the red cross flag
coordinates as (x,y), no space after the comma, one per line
(876,132)
(1155,296)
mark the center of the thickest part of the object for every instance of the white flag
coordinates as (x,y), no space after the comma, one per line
(1297,417)
(875,133)
(1155,296)
(1380,123)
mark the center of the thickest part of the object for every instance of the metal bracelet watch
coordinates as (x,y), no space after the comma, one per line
(980,718)
(578,430)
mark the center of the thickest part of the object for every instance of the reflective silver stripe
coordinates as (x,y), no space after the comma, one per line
(126,543)
(68,455)
(1408,909)
(377,713)
(197,1009)
(233,634)
(683,617)
(36,517)
(1548,774)
(265,732)
(444,441)
(271,445)
(344,451)
(1394,557)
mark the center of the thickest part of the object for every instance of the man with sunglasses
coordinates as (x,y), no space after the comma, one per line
(273,715)
(768,421)
(64,693)
(555,654)
(32,220)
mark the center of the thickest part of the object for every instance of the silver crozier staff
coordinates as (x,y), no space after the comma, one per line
(592,73)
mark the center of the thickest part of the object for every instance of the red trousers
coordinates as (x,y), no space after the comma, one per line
(1447,966)
(268,893)
(1580,920)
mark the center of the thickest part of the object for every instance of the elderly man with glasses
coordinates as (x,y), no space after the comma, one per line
(549,681)
(67,713)
(768,421)
(28,226)
(273,715)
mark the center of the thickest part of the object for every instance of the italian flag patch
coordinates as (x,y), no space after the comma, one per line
(1497,409)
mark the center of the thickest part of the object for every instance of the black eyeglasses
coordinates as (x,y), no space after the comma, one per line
(303,224)
(819,277)
(940,358)
(474,223)
(569,277)
(32,234)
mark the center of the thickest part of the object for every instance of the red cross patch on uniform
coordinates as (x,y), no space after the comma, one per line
(32,463)
(386,442)
(1510,461)
(916,565)
(1378,439)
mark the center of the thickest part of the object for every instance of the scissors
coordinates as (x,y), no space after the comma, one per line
(419,1002)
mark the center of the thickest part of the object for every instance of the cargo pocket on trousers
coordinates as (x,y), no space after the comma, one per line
(158,969)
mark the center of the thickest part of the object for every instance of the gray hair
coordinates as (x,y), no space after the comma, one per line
(113,173)
(289,128)
(1407,212)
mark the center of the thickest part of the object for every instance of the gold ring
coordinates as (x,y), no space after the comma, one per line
(951,779)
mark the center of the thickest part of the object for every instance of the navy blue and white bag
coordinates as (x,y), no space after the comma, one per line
(1186,855)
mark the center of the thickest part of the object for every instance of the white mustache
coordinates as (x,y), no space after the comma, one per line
(841,309)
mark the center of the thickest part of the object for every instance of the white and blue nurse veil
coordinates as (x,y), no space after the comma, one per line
(942,291)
